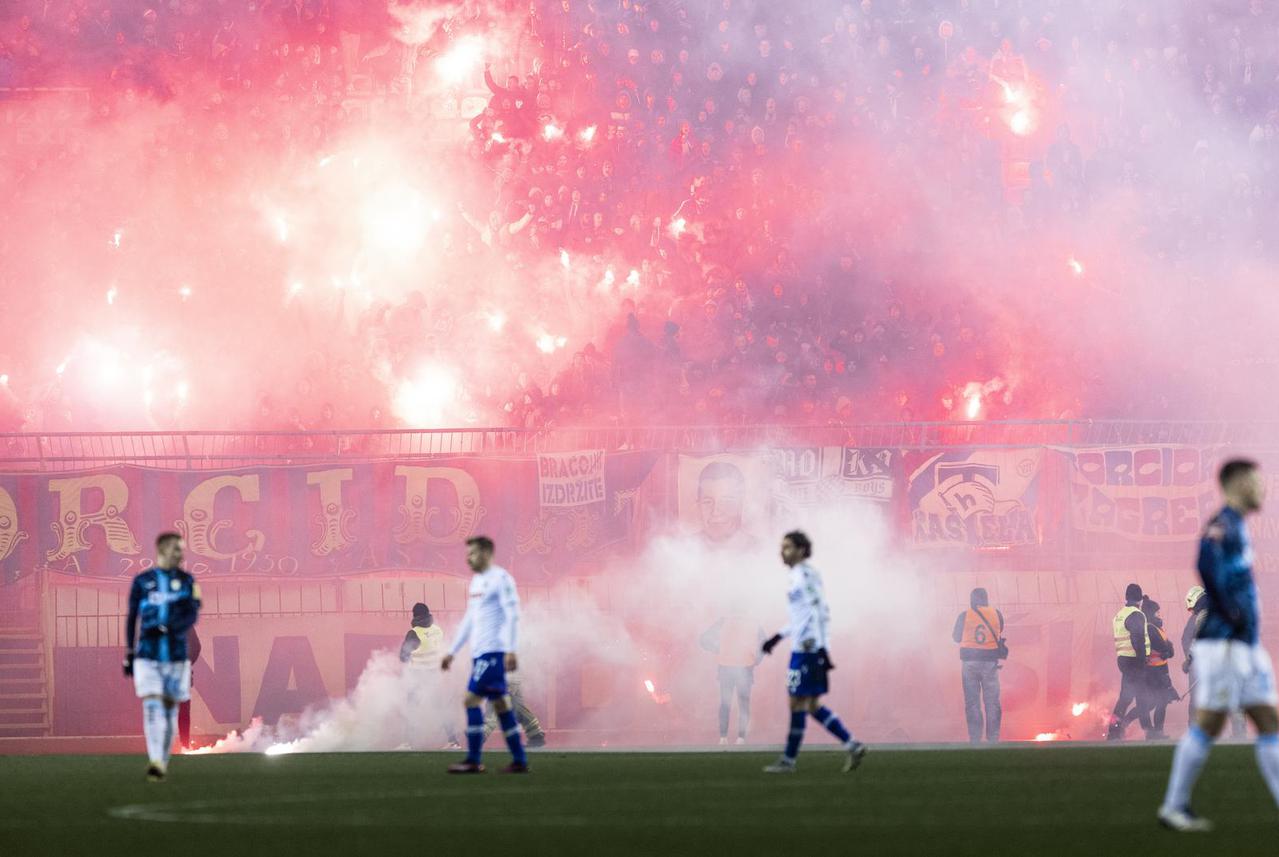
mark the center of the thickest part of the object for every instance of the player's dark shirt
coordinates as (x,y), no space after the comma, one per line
(163,606)
(1225,567)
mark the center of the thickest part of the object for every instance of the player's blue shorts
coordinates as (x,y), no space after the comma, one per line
(488,675)
(807,675)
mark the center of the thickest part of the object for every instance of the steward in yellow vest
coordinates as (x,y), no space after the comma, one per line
(1132,647)
(424,642)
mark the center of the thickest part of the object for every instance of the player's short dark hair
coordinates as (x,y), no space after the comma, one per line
(800,539)
(1234,468)
(484,543)
(162,540)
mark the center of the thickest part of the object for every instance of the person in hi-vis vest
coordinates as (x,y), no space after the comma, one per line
(421,650)
(978,631)
(1132,648)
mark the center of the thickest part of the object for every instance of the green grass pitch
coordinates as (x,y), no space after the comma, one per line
(1082,801)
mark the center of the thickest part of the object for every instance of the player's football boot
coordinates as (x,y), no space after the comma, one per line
(156,773)
(535,741)
(740,740)
(781,766)
(1183,820)
(723,742)
(466,768)
(516,768)
(856,753)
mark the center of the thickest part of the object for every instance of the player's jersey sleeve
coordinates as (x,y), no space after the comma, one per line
(135,603)
(186,610)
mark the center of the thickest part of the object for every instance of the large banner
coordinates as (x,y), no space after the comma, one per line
(725,496)
(324,519)
(1142,493)
(975,498)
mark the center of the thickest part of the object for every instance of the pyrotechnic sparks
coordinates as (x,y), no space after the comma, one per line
(1076,267)
(649,686)
(395,220)
(564,260)
(659,698)
(548,344)
(497,137)
(1049,736)
(4,380)
(112,294)
(1021,123)
(677,227)
(1078,708)
(587,134)
(295,288)
(496,321)
(421,401)
(633,279)
(551,131)
(973,407)
(281,229)
(461,60)
(116,238)
(184,292)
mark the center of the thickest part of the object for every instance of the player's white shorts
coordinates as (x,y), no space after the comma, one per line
(1231,675)
(169,679)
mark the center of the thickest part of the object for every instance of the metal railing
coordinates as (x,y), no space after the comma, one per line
(219,449)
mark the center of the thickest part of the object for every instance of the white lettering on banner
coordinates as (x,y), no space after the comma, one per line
(571,478)
(1151,493)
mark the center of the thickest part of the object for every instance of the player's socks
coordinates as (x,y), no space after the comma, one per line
(827,718)
(154,727)
(170,730)
(796,735)
(511,730)
(1187,761)
(1268,761)
(474,734)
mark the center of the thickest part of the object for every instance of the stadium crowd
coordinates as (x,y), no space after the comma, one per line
(789,182)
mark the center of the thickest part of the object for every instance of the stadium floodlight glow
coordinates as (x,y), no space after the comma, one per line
(461,60)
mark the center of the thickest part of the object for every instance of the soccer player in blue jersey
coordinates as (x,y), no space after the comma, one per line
(164,603)
(1233,671)
(809,660)
(490,625)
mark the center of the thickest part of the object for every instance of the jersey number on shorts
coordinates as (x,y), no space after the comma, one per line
(792,679)
(480,667)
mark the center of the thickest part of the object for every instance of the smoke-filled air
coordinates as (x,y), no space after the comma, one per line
(323,217)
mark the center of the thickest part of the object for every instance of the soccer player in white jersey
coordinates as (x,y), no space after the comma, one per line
(809,661)
(490,624)
(1232,669)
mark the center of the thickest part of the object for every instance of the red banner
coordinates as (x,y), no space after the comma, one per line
(325,519)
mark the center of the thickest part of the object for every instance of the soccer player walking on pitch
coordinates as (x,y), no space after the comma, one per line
(809,660)
(164,603)
(490,623)
(1232,670)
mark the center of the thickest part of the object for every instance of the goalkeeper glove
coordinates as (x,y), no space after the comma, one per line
(771,643)
(823,658)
